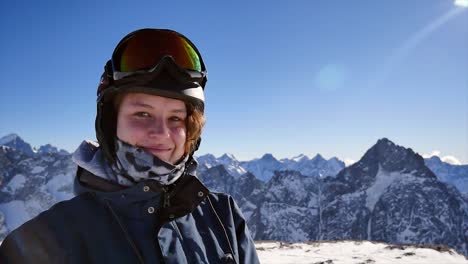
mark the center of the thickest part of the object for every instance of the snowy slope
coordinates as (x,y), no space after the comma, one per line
(31,184)
(354,252)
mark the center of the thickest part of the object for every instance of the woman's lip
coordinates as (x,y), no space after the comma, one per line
(159,149)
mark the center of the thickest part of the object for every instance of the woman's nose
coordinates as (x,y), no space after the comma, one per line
(158,128)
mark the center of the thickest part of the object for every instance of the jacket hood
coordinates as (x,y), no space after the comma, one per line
(90,157)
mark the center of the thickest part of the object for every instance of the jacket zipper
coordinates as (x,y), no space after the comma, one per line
(223,228)
(124,230)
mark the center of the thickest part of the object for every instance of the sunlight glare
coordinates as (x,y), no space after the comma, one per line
(462,3)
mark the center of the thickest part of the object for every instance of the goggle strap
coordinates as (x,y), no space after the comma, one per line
(168,64)
(109,71)
(106,78)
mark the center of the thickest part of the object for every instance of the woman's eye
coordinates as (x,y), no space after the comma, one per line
(142,114)
(176,118)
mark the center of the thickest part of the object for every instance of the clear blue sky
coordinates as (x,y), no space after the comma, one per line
(285,77)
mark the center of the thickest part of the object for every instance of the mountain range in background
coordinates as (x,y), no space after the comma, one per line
(264,167)
(15,142)
(391,194)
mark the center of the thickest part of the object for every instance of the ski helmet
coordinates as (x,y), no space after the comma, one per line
(154,61)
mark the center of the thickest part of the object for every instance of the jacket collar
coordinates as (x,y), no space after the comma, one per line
(176,200)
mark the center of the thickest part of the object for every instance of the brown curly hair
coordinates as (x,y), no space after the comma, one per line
(194,124)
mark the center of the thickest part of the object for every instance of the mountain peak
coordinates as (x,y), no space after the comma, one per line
(227,156)
(318,157)
(268,157)
(395,158)
(9,138)
(300,157)
(383,148)
(49,149)
(15,142)
(337,162)
(385,142)
(435,158)
(206,156)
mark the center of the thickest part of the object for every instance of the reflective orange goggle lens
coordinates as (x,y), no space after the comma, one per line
(143,49)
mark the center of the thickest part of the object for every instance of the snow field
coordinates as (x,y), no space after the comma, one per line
(352,252)
(16,183)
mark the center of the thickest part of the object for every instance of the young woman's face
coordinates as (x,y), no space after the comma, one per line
(154,123)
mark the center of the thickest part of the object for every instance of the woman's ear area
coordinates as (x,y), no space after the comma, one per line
(194,126)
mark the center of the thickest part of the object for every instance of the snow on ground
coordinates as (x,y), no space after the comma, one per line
(15,213)
(57,187)
(16,183)
(37,169)
(353,252)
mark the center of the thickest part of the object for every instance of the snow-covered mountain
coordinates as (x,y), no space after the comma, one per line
(49,149)
(389,195)
(287,208)
(15,142)
(264,168)
(243,188)
(317,166)
(229,162)
(457,175)
(31,184)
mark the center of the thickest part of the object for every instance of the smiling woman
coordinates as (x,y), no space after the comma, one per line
(136,188)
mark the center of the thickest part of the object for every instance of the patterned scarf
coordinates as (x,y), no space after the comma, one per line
(135,164)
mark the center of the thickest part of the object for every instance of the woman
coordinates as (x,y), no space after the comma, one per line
(138,200)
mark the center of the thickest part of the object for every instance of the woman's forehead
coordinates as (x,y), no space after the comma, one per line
(152,101)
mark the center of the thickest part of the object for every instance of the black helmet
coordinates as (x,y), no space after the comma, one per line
(154,61)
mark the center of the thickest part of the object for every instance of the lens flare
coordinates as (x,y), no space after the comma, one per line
(462,3)
(399,55)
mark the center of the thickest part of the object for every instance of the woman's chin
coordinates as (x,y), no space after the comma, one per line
(162,155)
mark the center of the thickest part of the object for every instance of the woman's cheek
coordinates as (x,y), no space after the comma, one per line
(180,134)
(181,131)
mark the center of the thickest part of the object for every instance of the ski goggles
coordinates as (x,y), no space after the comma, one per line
(142,50)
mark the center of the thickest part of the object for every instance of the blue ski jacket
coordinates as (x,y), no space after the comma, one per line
(145,223)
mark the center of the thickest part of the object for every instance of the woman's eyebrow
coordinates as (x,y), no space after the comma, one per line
(140,104)
(183,111)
